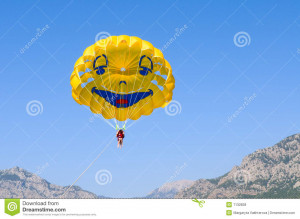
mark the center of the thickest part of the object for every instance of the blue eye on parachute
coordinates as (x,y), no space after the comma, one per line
(100,70)
(145,71)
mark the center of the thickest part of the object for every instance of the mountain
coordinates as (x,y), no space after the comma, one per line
(19,183)
(273,172)
(169,190)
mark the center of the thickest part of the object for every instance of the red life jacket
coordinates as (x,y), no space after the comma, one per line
(120,134)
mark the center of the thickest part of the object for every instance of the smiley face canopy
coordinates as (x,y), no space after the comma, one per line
(122,77)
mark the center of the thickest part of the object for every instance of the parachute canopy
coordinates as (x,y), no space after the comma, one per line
(122,77)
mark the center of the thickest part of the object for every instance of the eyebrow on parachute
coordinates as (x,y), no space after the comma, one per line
(98,58)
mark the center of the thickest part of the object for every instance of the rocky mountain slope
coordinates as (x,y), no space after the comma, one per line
(19,183)
(169,190)
(273,172)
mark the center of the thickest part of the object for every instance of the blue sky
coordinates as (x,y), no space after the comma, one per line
(213,78)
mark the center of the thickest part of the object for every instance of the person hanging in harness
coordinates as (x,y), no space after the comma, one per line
(120,135)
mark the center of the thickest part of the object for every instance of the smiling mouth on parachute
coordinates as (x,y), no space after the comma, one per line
(122,100)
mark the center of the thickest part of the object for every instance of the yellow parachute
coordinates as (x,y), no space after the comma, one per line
(122,77)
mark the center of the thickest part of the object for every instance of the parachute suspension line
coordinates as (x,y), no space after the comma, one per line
(97,101)
(142,106)
(153,95)
(140,87)
(128,82)
(118,127)
(110,112)
(131,124)
(91,164)
(137,69)
(101,117)
(116,111)
(97,114)
(105,120)
(103,106)
(131,115)
(110,81)
(135,97)
(117,89)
